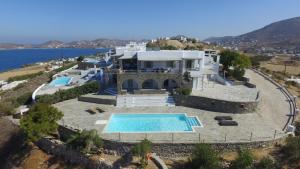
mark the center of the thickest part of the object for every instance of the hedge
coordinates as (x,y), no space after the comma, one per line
(184,91)
(72,93)
(24,77)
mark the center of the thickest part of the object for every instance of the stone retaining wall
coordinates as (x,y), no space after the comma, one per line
(173,150)
(59,149)
(215,105)
(169,150)
(110,100)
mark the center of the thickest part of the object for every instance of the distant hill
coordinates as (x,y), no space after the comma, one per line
(98,43)
(282,35)
(180,42)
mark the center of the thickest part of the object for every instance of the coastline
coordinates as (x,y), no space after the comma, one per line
(22,71)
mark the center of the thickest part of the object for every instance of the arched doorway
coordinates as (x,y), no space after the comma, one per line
(129,85)
(150,84)
(170,84)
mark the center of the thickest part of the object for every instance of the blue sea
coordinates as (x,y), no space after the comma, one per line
(16,58)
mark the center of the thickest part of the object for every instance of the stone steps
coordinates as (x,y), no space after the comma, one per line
(145,101)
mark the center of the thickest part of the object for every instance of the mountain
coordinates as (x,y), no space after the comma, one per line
(98,43)
(279,37)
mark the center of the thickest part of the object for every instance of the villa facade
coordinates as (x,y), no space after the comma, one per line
(143,71)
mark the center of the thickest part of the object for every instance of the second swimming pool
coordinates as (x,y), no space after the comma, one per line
(61,81)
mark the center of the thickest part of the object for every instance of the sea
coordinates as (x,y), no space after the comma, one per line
(17,58)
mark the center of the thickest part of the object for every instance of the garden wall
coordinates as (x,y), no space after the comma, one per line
(215,105)
(99,99)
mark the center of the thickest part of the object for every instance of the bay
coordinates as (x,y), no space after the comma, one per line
(16,58)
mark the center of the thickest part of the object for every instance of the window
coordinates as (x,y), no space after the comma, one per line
(170,64)
(188,64)
(148,64)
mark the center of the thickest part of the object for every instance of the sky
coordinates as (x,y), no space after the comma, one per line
(37,21)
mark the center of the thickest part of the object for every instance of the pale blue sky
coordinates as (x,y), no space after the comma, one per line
(35,21)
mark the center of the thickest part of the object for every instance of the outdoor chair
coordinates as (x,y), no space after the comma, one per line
(228,123)
(223,118)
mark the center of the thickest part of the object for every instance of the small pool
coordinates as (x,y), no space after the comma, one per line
(61,81)
(140,123)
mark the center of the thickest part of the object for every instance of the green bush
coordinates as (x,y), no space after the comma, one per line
(7,108)
(291,149)
(24,77)
(65,67)
(40,121)
(72,93)
(168,47)
(141,150)
(297,125)
(266,163)
(24,99)
(87,141)
(184,91)
(238,73)
(244,160)
(204,157)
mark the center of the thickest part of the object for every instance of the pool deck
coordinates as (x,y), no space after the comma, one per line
(257,126)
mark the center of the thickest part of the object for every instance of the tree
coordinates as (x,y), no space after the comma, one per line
(41,121)
(267,163)
(204,157)
(86,141)
(233,59)
(244,160)
(291,149)
(142,150)
(80,58)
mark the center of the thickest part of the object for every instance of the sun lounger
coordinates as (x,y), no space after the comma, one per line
(223,118)
(228,123)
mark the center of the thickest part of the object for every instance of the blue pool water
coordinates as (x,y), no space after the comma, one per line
(60,81)
(127,123)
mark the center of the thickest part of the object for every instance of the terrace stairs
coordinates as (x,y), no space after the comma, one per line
(145,100)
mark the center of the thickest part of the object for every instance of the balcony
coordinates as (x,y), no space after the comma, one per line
(151,71)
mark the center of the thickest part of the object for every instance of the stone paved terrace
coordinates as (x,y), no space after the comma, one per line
(270,116)
(238,93)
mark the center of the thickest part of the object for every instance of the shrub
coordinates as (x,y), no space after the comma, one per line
(141,150)
(291,149)
(168,47)
(266,163)
(7,108)
(40,121)
(24,99)
(72,93)
(65,67)
(238,73)
(244,160)
(204,157)
(297,125)
(87,141)
(184,91)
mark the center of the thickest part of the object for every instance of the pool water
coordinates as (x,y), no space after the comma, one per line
(164,122)
(60,81)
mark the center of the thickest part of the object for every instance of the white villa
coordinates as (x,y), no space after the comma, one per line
(143,71)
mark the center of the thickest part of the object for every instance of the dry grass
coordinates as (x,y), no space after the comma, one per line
(22,71)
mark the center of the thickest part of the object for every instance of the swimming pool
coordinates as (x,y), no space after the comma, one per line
(61,81)
(152,122)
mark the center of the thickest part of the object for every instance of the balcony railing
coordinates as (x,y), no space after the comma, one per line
(159,70)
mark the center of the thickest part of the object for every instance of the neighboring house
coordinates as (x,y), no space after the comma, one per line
(142,71)
(89,63)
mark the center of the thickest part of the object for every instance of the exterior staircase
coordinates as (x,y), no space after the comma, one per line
(145,100)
